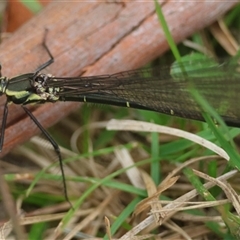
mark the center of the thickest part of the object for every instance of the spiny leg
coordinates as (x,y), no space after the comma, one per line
(55,146)
(45,133)
(4,121)
(50,61)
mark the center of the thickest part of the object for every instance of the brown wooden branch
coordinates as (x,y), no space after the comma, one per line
(98,38)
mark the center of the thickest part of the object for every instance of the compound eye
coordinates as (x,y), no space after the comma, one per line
(3,85)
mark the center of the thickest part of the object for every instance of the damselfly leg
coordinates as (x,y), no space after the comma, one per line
(51,58)
(55,146)
(4,122)
(3,79)
(26,80)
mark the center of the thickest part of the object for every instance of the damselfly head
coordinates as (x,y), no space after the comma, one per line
(3,84)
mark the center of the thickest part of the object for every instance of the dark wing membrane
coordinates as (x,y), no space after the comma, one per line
(162,90)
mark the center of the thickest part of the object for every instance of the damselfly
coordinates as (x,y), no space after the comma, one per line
(164,90)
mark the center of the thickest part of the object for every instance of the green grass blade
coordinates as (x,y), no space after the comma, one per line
(34,6)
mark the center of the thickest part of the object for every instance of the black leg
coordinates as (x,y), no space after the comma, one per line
(4,121)
(51,60)
(55,146)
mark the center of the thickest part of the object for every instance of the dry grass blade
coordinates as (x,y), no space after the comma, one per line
(134,174)
(229,191)
(108,230)
(5,230)
(153,197)
(91,216)
(224,36)
(181,201)
(131,125)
